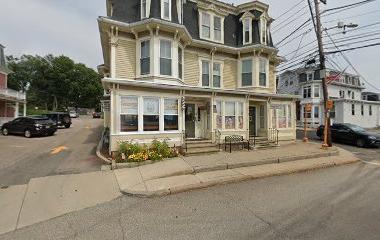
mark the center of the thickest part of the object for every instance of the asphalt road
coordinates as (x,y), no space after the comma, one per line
(365,154)
(22,158)
(335,203)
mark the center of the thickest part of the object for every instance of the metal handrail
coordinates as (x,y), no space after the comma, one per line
(273,134)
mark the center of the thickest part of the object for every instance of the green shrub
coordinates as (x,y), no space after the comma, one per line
(162,148)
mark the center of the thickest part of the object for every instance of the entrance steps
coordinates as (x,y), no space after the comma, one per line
(262,143)
(200,147)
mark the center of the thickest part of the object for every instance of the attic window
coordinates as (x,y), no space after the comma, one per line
(165,9)
(263,30)
(247,31)
(143,9)
(211,27)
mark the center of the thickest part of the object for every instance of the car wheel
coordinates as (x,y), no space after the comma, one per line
(67,125)
(360,143)
(27,133)
(5,131)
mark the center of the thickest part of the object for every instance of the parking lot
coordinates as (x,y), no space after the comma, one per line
(365,154)
(70,150)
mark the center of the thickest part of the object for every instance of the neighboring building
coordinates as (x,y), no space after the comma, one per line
(371,96)
(185,69)
(10,99)
(345,90)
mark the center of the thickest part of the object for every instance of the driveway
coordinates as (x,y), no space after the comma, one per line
(68,151)
(365,154)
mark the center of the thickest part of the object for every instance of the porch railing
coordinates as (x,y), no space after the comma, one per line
(218,135)
(273,135)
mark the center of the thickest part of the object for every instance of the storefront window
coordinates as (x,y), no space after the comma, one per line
(230,115)
(240,115)
(218,114)
(170,114)
(128,114)
(151,114)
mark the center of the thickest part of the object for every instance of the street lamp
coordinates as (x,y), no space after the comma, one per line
(344,26)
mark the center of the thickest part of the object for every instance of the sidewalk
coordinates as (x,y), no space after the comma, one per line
(48,197)
(181,174)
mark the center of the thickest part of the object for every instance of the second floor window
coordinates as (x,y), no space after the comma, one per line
(206,25)
(246,73)
(307,92)
(165,9)
(145,57)
(216,75)
(263,73)
(263,30)
(165,57)
(179,62)
(316,91)
(205,73)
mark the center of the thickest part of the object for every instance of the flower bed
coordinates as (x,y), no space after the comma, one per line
(133,152)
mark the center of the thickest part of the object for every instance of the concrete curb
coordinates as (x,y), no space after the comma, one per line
(279,169)
(99,147)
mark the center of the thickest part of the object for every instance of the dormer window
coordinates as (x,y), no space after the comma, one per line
(179,11)
(143,9)
(165,9)
(263,30)
(211,27)
(247,33)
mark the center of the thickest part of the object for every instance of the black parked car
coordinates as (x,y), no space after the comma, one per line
(30,126)
(96,115)
(62,119)
(351,134)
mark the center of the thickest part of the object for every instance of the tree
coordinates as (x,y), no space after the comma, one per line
(55,82)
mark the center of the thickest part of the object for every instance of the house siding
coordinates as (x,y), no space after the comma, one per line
(191,68)
(126,59)
(229,74)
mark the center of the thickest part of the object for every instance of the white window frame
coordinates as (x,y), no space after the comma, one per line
(163,10)
(177,114)
(253,69)
(303,91)
(263,30)
(266,74)
(171,57)
(221,73)
(318,92)
(138,56)
(288,117)
(144,14)
(211,72)
(310,74)
(182,62)
(212,27)
(180,11)
(250,30)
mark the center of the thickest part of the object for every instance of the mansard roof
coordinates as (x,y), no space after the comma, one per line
(128,11)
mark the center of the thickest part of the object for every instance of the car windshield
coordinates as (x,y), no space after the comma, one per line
(42,120)
(355,128)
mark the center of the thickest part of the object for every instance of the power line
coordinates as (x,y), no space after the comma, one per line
(294,31)
(289,10)
(349,62)
(354,48)
(277,27)
(348,6)
(353,16)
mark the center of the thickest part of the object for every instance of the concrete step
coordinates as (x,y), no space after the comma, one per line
(198,141)
(200,145)
(265,146)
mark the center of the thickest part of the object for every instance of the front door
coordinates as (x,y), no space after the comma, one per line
(190,120)
(252,121)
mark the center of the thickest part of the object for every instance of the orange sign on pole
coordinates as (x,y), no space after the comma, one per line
(330,104)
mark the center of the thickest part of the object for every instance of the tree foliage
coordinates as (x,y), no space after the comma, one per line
(55,81)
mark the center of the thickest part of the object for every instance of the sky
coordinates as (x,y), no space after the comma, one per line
(69,27)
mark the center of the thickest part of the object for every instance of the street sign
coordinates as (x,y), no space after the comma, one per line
(330,104)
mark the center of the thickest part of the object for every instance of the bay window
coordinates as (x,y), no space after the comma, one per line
(216,75)
(229,115)
(246,73)
(151,114)
(170,114)
(165,9)
(205,73)
(165,57)
(306,92)
(217,28)
(219,118)
(179,62)
(206,25)
(145,57)
(316,91)
(129,114)
(316,111)
(263,72)
(240,115)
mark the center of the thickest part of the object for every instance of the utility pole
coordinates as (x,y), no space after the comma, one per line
(322,67)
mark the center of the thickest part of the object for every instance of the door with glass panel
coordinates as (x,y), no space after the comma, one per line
(252,121)
(190,120)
